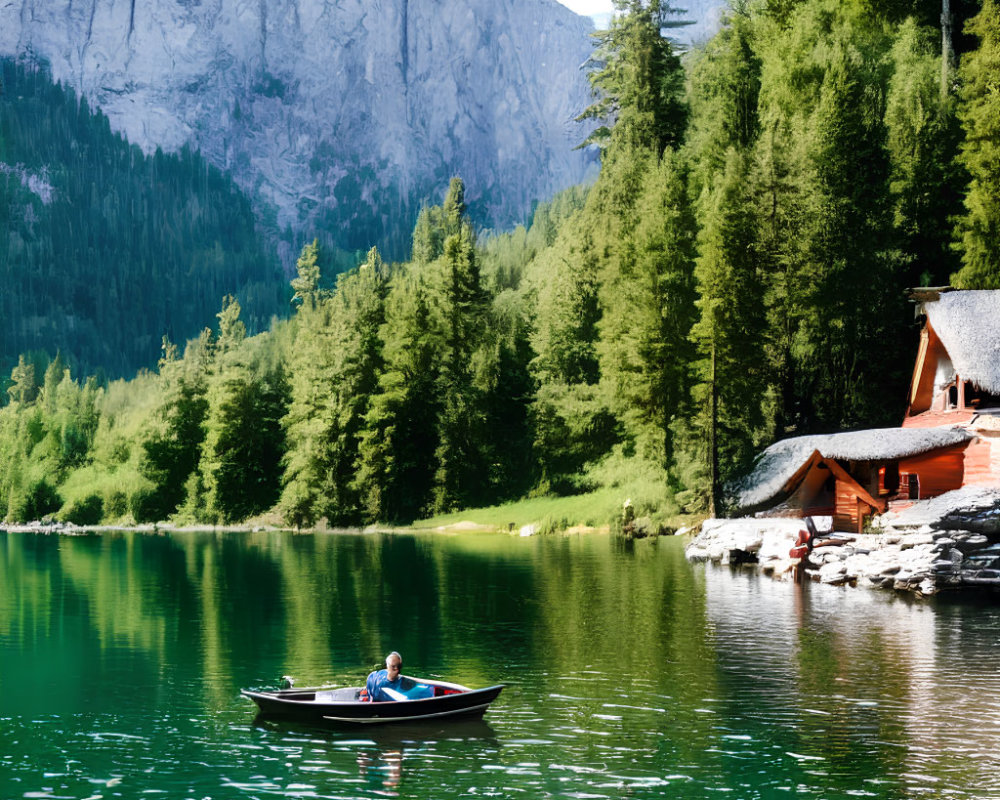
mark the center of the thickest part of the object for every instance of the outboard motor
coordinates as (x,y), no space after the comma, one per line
(287,682)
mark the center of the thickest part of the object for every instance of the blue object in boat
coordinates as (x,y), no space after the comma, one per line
(418,691)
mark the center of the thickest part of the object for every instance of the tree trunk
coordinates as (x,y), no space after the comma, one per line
(947,52)
(713,450)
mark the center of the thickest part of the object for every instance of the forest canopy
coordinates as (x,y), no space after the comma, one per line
(104,249)
(736,274)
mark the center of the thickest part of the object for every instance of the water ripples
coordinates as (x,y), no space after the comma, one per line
(610,738)
(648,679)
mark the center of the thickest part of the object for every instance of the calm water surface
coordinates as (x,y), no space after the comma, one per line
(631,673)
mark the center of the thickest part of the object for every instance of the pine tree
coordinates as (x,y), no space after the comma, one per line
(172,443)
(358,315)
(724,93)
(397,446)
(572,423)
(506,381)
(305,474)
(846,286)
(244,444)
(979,112)
(453,210)
(428,236)
(637,78)
(923,137)
(232,330)
(23,388)
(460,477)
(647,307)
(306,284)
(821,174)
(730,370)
(568,311)
(336,362)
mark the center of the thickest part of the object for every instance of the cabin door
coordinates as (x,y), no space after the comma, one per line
(909,485)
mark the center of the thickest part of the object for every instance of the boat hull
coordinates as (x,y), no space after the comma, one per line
(343,706)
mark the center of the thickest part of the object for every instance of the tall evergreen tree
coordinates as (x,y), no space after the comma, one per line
(850,299)
(232,330)
(244,443)
(822,177)
(730,372)
(428,236)
(923,138)
(568,311)
(336,364)
(397,446)
(22,389)
(460,477)
(506,379)
(724,93)
(979,112)
(306,284)
(572,422)
(172,443)
(358,315)
(637,77)
(305,475)
(647,312)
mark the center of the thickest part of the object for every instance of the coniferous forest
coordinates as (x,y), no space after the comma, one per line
(104,249)
(736,274)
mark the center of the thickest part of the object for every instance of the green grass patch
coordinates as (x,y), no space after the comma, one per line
(615,480)
(594,509)
(598,509)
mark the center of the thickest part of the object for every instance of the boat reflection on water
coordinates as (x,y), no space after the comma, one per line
(380,760)
(381,750)
(388,734)
(381,768)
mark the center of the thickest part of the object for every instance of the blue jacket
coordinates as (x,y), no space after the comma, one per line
(377,680)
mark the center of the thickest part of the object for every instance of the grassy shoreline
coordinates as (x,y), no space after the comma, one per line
(591,512)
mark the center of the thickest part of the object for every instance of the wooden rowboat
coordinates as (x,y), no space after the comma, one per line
(343,705)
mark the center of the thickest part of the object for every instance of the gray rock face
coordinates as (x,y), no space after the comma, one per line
(335,112)
(705,16)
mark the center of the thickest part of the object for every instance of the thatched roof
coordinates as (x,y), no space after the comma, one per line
(779,462)
(968,325)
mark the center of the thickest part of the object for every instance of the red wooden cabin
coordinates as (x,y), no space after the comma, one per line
(957,373)
(950,435)
(851,476)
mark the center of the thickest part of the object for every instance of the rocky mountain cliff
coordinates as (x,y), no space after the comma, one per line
(336,115)
(705,17)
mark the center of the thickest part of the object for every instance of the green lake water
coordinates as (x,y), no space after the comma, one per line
(631,673)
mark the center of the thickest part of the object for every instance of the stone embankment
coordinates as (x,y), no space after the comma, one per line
(950,542)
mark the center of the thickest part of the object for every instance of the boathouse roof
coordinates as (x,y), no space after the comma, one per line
(968,325)
(777,465)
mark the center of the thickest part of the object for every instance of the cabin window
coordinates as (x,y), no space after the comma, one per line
(982,401)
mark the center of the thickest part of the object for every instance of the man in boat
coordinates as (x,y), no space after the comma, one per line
(388,678)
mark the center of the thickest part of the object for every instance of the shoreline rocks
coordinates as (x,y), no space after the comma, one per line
(951,542)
